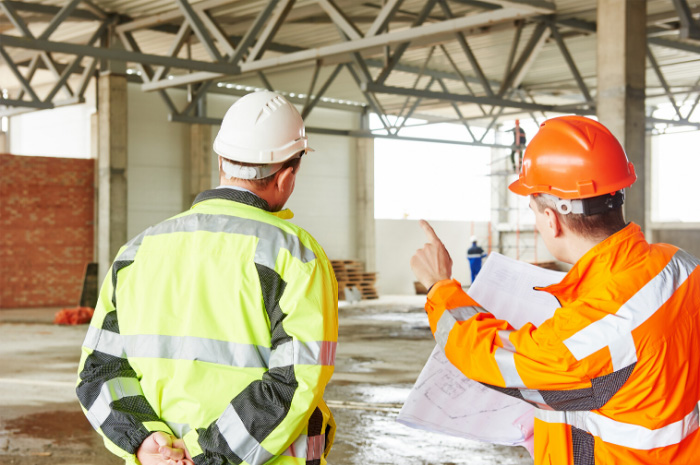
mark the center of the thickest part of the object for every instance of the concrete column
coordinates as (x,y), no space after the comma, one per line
(4,146)
(201,160)
(111,167)
(366,241)
(621,83)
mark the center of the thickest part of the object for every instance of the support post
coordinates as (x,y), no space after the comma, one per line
(621,82)
(366,242)
(112,165)
(200,160)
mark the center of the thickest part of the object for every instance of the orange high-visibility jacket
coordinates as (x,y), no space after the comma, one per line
(614,374)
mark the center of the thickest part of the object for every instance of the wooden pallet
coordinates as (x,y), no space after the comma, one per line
(351,273)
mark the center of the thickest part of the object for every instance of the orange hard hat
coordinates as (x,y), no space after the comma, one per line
(573,157)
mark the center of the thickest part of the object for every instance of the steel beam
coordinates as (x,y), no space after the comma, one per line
(570,62)
(398,53)
(429,33)
(468,52)
(271,29)
(340,19)
(114,54)
(662,80)
(449,97)
(59,18)
(384,17)
(690,29)
(317,97)
(199,29)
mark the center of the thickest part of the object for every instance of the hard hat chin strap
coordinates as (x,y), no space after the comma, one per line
(590,206)
(234,170)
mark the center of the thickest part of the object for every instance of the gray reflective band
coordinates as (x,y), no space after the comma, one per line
(614,331)
(178,429)
(625,434)
(104,341)
(443,328)
(298,447)
(271,239)
(464,313)
(505,359)
(113,389)
(505,340)
(239,440)
(303,353)
(178,348)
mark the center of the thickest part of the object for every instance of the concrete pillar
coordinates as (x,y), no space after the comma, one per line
(366,241)
(4,146)
(201,160)
(111,167)
(621,83)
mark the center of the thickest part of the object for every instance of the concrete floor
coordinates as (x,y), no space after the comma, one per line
(383,346)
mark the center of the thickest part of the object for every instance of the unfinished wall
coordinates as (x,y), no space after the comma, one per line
(687,239)
(46,229)
(398,240)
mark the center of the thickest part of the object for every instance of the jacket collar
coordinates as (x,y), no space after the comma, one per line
(598,264)
(243,197)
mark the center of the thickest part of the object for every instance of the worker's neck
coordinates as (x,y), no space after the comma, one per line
(576,247)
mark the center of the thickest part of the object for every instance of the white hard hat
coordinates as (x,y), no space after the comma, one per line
(472,239)
(261,128)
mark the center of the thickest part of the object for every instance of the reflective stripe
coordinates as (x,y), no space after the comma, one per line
(129,253)
(443,328)
(505,359)
(505,340)
(178,429)
(239,440)
(614,331)
(178,348)
(104,341)
(298,447)
(625,434)
(113,389)
(303,353)
(315,447)
(464,313)
(271,239)
(449,319)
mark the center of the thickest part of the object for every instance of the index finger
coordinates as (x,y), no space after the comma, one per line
(430,232)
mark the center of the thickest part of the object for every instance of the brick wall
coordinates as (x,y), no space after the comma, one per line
(46,229)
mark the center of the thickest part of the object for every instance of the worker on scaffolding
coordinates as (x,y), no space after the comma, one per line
(215,331)
(475,257)
(519,141)
(615,373)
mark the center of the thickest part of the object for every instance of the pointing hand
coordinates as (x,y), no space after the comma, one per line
(432,263)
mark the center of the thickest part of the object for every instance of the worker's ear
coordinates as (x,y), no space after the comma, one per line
(284,180)
(553,222)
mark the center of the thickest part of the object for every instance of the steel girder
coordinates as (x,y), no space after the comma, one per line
(241,53)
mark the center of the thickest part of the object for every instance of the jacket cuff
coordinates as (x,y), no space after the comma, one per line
(192,443)
(446,295)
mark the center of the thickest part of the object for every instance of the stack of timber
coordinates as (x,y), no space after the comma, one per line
(351,273)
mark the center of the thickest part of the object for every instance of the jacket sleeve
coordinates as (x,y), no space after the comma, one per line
(531,363)
(108,387)
(282,408)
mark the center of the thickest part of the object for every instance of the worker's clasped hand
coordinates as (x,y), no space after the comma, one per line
(163,449)
(432,263)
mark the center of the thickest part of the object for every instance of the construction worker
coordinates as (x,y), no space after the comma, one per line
(475,256)
(215,331)
(615,373)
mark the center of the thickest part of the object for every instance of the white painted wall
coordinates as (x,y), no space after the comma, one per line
(157,157)
(398,240)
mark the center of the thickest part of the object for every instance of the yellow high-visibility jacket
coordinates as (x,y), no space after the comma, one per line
(614,374)
(218,325)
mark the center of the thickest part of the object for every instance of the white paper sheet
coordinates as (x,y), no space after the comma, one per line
(443,400)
